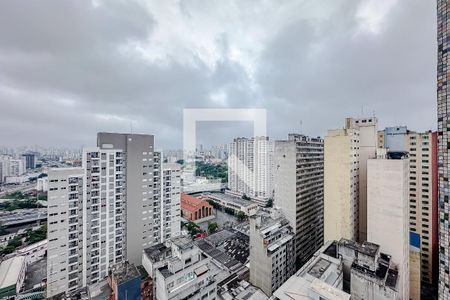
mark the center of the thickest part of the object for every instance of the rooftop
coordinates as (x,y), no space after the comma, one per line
(182,242)
(229,198)
(125,272)
(366,248)
(10,271)
(157,252)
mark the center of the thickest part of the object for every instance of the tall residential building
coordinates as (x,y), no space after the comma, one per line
(388,212)
(250,166)
(443,30)
(272,256)
(139,193)
(341,184)
(171,207)
(122,208)
(345,173)
(423,191)
(298,178)
(30,160)
(66,242)
(423,198)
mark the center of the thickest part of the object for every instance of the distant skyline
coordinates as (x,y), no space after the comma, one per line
(71,69)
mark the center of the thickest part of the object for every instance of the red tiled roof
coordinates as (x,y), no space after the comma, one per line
(192,203)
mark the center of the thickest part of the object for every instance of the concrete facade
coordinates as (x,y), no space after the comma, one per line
(65,238)
(180,271)
(443,118)
(298,178)
(346,153)
(388,211)
(250,165)
(272,256)
(320,278)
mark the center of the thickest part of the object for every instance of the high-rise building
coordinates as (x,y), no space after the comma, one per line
(423,206)
(443,30)
(171,209)
(250,166)
(388,211)
(423,191)
(121,201)
(272,256)
(345,173)
(30,160)
(66,241)
(298,178)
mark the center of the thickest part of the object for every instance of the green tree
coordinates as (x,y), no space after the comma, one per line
(212,227)
(241,216)
(193,228)
(269,203)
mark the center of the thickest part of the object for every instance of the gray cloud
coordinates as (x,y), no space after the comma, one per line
(71,68)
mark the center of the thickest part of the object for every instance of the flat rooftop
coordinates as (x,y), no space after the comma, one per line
(366,248)
(157,252)
(10,271)
(230,199)
(125,272)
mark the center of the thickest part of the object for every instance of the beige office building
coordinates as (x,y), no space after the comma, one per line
(387,210)
(345,174)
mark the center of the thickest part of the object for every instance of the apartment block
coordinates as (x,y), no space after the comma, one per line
(345,174)
(298,178)
(180,271)
(423,191)
(423,199)
(272,256)
(66,241)
(121,201)
(443,31)
(171,209)
(368,273)
(320,278)
(250,165)
(388,211)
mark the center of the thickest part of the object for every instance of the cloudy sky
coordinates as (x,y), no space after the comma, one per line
(69,69)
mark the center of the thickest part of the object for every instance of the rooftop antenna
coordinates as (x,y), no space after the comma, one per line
(301,127)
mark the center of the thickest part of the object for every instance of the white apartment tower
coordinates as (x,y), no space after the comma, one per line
(170,204)
(119,212)
(65,230)
(298,178)
(388,211)
(250,165)
(345,174)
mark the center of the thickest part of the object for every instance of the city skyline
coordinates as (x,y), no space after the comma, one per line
(124,68)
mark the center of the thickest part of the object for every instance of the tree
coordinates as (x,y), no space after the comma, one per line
(245,197)
(193,228)
(212,227)
(241,216)
(269,203)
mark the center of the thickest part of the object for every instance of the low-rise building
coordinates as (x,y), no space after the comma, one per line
(195,209)
(233,202)
(34,252)
(180,270)
(42,184)
(272,250)
(319,279)
(368,273)
(12,275)
(125,281)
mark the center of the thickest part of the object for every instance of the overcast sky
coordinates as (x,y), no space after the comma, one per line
(69,69)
